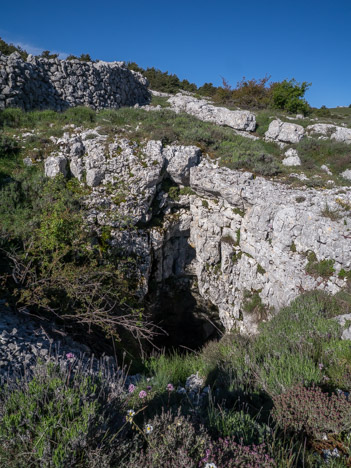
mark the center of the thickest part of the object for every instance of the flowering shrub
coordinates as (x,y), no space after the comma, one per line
(311,411)
(172,441)
(227,453)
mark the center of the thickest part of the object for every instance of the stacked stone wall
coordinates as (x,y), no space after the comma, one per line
(39,83)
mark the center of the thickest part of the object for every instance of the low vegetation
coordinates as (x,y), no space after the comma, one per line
(273,400)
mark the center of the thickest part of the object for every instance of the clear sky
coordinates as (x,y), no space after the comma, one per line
(201,41)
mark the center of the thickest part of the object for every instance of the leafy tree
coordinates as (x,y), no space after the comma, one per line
(289,96)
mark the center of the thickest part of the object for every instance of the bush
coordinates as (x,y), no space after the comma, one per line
(276,374)
(337,360)
(289,96)
(314,153)
(59,415)
(236,424)
(227,453)
(312,412)
(182,445)
(8,146)
(323,268)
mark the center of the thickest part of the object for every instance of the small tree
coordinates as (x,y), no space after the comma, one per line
(85,58)
(48,55)
(289,96)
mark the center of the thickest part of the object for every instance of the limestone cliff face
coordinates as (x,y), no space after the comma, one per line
(243,241)
(256,237)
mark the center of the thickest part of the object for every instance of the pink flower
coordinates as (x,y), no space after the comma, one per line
(70,356)
(170,387)
(142,394)
(320,365)
(131,388)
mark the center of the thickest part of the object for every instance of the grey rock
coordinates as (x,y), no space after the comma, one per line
(55,165)
(346,174)
(284,132)
(239,120)
(291,158)
(331,131)
(179,161)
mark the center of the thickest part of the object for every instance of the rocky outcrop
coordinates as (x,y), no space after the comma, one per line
(334,132)
(200,108)
(252,238)
(284,132)
(58,84)
(249,244)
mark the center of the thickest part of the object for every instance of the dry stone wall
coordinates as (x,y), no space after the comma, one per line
(58,84)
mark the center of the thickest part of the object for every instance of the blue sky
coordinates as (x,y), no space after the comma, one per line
(200,40)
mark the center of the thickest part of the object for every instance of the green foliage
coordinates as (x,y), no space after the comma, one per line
(163,81)
(337,361)
(289,96)
(344,274)
(48,55)
(237,424)
(324,268)
(8,146)
(173,368)
(58,416)
(8,49)
(312,412)
(182,445)
(279,373)
(252,304)
(314,153)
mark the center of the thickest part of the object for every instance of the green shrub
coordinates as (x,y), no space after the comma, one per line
(173,368)
(289,96)
(312,412)
(324,268)
(300,327)
(276,374)
(8,146)
(252,304)
(182,444)
(314,153)
(236,424)
(58,416)
(337,361)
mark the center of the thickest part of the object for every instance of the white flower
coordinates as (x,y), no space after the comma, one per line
(148,428)
(130,415)
(210,465)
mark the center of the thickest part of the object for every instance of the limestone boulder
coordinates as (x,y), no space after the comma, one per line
(284,132)
(200,108)
(179,161)
(55,165)
(291,158)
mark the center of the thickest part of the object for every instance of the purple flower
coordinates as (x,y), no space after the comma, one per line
(142,394)
(170,387)
(148,388)
(320,365)
(70,356)
(131,388)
